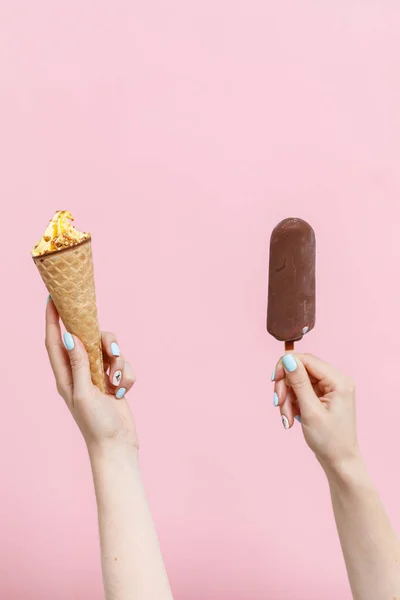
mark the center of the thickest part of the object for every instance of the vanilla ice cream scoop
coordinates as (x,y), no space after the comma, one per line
(59,234)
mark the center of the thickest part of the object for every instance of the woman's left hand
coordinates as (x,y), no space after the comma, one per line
(102,418)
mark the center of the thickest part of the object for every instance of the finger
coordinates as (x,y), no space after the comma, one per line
(113,361)
(294,405)
(296,410)
(116,369)
(56,351)
(299,381)
(280,392)
(288,410)
(278,373)
(110,345)
(80,368)
(112,358)
(321,371)
(116,372)
(128,380)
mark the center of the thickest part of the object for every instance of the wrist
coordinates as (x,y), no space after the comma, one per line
(116,475)
(344,471)
(112,451)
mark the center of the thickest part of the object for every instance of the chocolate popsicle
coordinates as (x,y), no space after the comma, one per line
(291,288)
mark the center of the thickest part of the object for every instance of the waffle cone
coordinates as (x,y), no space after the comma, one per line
(68,275)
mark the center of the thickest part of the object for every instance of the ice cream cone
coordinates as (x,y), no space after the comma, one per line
(69,277)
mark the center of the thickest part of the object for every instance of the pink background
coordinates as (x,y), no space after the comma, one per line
(179,133)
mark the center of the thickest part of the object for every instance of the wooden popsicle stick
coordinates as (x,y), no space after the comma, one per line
(289,346)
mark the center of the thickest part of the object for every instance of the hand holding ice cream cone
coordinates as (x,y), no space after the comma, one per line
(103,418)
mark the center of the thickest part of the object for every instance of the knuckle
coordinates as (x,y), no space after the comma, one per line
(64,391)
(60,389)
(76,361)
(109,335)
(81,395)
(314,417)
(51,345)
(346,386)
(78,399)
(298,383)
(48,343)
(130,380)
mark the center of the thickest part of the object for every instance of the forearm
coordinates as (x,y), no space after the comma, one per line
(133,568)
(370,546)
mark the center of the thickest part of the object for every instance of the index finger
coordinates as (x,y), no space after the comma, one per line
(317,369)
(325,374)
(55,348)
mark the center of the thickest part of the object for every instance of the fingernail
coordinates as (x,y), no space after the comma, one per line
(276,399)
(273,375)
(115,349)
(117,378)
(298,418)
(120,393)
(285,422)
(289,362)
(48,299)
(68,341)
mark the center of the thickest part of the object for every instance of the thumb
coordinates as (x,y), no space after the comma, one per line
(299,381)
(79,364)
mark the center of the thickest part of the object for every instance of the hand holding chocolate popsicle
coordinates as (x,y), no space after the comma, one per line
(291,288)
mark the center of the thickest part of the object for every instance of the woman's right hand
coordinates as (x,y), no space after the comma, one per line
(323,399)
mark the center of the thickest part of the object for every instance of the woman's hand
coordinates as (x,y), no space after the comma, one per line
(102,418)
(310,390)
(324,398)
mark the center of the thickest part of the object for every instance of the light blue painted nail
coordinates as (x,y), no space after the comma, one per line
(276,399)
(273,375)
(68,341)
(298,418)
(48,299)
(115,349)
(120,393)
(289,362)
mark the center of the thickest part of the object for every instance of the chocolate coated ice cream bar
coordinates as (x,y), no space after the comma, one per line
(291,289)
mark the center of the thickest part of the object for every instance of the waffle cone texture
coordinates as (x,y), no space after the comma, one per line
(68,275)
